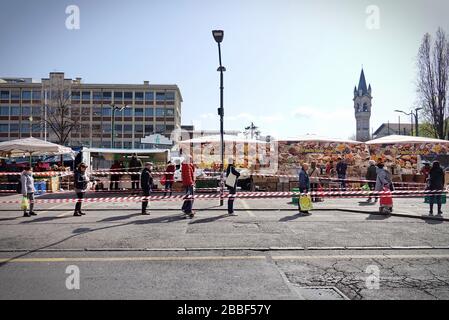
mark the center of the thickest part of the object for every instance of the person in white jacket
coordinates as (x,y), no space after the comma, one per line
(28,190)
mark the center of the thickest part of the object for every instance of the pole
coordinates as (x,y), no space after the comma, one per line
(221,112)
(416,122)
(399,117)
(411,124)
(113,121)
(45,116)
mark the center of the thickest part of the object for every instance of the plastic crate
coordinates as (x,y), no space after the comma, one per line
(40,187)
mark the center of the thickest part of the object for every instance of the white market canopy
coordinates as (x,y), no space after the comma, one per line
(318,138)
(397,139)
(217,138)
(33,147)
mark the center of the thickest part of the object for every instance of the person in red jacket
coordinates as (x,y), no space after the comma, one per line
(188,181)
(169,177)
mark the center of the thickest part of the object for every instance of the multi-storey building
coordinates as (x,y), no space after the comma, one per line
(139,110)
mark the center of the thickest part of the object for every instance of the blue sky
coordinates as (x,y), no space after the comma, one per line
(291,64)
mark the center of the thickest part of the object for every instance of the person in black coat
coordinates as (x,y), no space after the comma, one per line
(371,176)
(81,181)
(436,182)
(232,189)
(146,180)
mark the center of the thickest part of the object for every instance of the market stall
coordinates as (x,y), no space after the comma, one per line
(404,155)
(31,147)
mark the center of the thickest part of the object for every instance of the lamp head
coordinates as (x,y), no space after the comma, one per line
(218,35)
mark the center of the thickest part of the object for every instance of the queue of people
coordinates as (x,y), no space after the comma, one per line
(379,179)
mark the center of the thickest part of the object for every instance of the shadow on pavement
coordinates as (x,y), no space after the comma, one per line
(211,219)
(43,219)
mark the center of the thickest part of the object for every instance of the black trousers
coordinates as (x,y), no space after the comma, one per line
(114,182)
(188,202)
(80,196)
(146,193)
(135,181)
(232,191)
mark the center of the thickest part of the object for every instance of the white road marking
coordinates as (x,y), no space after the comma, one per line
(248,209)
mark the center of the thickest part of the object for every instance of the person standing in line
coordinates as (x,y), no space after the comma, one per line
(383,178)
(436,182)
(304,184)
(135,165)
(169,177)
(115,178)
(371,176)
(314,175)
(330,170)
(341,172)
(146,180)
(81,185)
(232,189)
(28,190)
(188,181)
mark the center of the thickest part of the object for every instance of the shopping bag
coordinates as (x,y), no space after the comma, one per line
(25,203)
(386,199)
(231,180)
(305,203)
(443,199)
(366,187)
(163,180)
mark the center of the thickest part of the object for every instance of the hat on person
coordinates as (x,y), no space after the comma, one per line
(148,164)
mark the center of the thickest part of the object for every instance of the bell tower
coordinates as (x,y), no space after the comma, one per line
(362,109)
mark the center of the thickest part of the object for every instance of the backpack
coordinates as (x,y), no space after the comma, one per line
(19,186)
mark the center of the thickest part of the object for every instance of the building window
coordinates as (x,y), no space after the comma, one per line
(170,95)
(170,112)
(149,112)
(15,95)
(107,96)
(149,96)
(160,96)
(4,111)
(128,128)
(148,128)
(160,128)
(15,111)
(4,127)
(160,112)
(138,112)
(97,96)
(26,111)
(25,128)
(86,96)
(118,96)
(37,95)
(107,128)
(36,111)
(36,127)
(127,144)
(85,111)
(96,112)
(138,96)
(118,129)
(138,128)
(106,112)
(128,96)
(128,112)
(118,113)
(4,95)
(26,95)
(75,96)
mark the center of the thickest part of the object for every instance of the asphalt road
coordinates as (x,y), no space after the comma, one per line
(266,252)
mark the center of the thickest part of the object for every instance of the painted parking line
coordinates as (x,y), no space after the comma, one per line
(248,209)
(369,256)
(130,259)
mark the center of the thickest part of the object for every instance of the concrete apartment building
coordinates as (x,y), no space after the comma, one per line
(150,109)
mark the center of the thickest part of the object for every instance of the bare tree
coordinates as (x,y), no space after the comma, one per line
(59,118)
(433,71)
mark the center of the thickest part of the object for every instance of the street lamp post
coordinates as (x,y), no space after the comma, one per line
(114,108)
(412,113)
(218,36)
